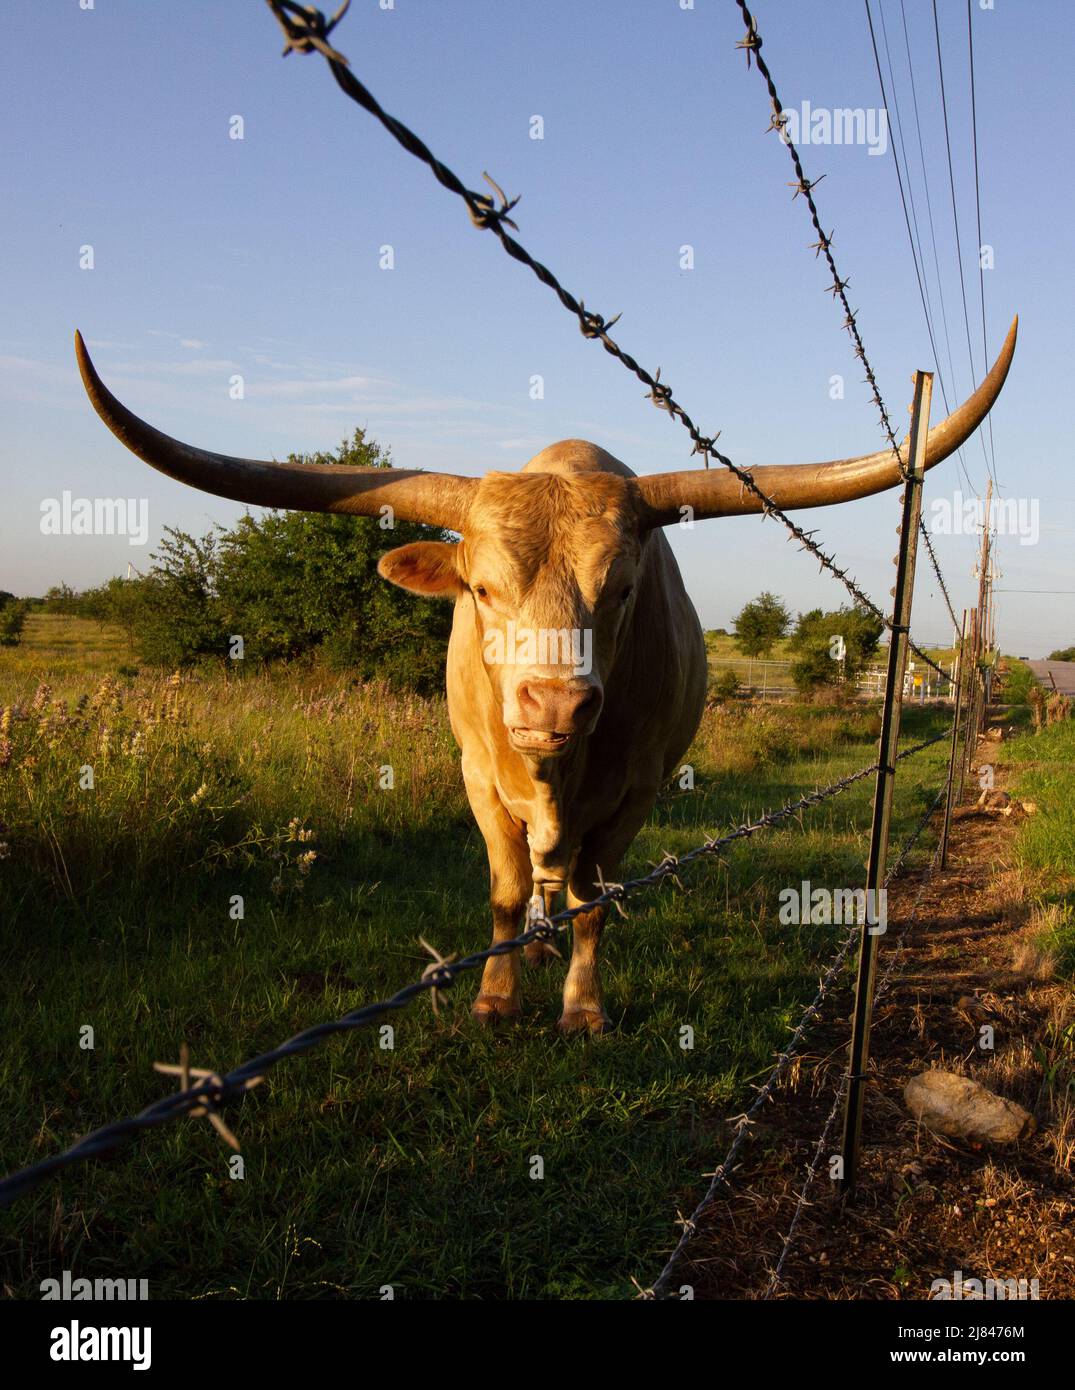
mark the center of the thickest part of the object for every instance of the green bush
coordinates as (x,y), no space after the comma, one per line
(12,619)
(726,684)
(1017,681)
(814,641)
(290,585)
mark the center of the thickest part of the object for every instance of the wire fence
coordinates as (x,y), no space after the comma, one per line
(840,1094)
(307,30)
(823,246)
(212,1091)
(662,1285)
(203,1093)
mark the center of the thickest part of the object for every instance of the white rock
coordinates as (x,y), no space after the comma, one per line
(960,1108)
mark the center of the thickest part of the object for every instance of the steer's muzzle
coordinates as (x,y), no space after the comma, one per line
(549,714)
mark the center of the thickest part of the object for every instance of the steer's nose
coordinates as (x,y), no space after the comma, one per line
(557,706)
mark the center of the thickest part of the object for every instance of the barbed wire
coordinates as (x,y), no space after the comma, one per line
(213,1090)
(924,531)
(778,122)
(720,1176)
(306,30)
(820,1148)
(812,1171)
(661,1285)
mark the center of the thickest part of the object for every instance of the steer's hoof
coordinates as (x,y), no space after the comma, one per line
(584,1021)
(490,1009)
(540,953)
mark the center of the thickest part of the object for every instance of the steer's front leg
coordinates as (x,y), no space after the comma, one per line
(583,1006)
(603,850)
(509,879)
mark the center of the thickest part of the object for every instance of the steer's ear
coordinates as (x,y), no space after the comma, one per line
(426,567)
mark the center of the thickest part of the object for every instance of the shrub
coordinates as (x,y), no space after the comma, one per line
(726,685)
(12,618)
(1017,683)
(290,584)
(814,639)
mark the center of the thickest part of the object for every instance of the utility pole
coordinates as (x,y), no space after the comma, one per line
(982,635)
(983,566)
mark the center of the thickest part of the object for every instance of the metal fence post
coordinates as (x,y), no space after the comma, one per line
(886,772)
(957,676)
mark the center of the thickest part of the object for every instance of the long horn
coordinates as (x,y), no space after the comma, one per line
(716,492)
(437,499)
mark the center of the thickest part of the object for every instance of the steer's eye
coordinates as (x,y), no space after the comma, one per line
(628,591)
(481,591)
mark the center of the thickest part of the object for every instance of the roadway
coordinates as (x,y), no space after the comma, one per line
(1062,672)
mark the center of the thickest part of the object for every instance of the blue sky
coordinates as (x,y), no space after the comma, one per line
(260,257)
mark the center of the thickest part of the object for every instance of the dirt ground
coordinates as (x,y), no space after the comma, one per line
(924,1207)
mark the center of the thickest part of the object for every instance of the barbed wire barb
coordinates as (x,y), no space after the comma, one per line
(487,218)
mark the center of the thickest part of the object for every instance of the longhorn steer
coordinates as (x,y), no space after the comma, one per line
(566,741)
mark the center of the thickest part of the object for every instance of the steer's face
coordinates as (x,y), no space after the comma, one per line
(546,571)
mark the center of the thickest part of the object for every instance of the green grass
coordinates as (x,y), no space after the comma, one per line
(1044,773)
(366,1166)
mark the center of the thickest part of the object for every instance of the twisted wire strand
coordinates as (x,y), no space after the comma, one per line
(823,246)
(306,30)
(661,1286)
(213,1091)
(776,1278)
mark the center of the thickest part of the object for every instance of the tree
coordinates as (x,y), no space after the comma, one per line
(1064,654)
(12,617)
(173,611)
(833,647)
(290,584)
(62,599)
(761,623)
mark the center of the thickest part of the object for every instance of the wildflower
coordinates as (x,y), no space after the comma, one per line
(41,697)
(200,795)
(6,750)
(305,861)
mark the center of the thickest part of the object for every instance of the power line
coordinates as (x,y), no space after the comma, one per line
(955,215)
(929,200)
(923,288)
(978,209)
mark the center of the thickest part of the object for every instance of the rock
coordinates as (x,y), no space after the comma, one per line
(1029,807)
(960,1108)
